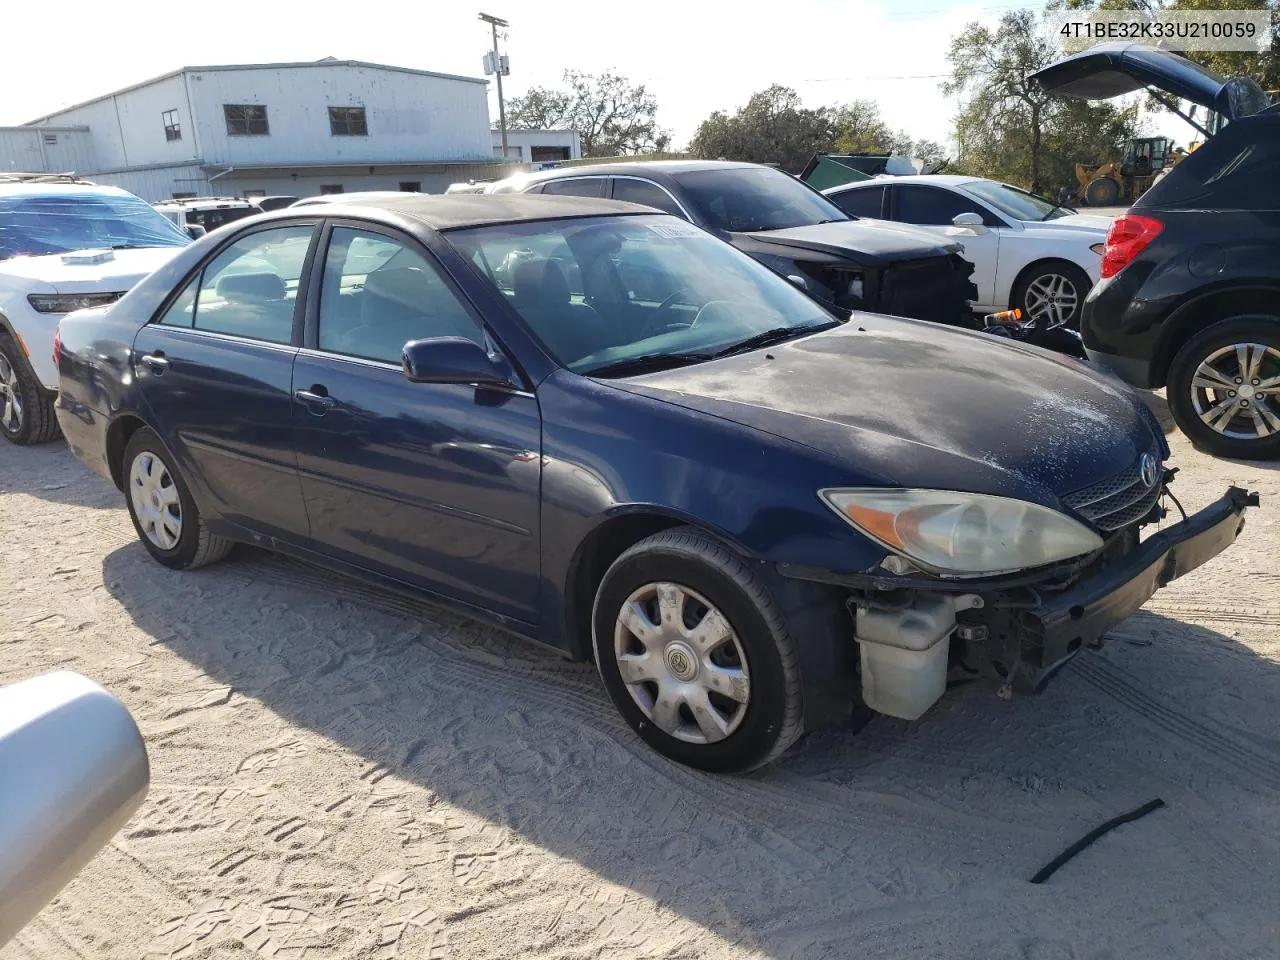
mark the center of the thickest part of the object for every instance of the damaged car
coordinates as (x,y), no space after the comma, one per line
(750,512)
(792,229)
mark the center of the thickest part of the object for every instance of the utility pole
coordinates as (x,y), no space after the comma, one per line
(498,69)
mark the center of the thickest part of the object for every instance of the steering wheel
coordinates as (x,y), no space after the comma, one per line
(653,324)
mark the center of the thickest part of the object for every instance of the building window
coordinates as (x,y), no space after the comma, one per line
(172,128)
(410,186)
(246,119)
(254,194)
(183,196)
(328,188)
(50,138)
(543,154)
(348,122)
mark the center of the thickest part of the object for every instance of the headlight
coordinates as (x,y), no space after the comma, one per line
(66,303)
(963,534)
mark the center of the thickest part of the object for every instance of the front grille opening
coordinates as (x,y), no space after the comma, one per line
(1117,501)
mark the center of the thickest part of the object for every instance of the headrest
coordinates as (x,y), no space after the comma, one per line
(540,283)
(405,286)
(250,287)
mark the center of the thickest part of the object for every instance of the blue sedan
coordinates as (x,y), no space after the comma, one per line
(606,430)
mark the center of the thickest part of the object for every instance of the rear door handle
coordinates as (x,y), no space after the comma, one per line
(155,361)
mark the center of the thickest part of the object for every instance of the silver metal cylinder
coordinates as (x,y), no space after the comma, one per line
(73,769)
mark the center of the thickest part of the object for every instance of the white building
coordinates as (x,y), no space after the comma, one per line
(539,146)
(284,128)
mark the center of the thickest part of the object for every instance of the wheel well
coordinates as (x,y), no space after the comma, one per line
(118,436)
(1036,265)
(1190,319)
(595,555)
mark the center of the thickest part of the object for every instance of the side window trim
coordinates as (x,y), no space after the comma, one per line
(196,276)
(652,183)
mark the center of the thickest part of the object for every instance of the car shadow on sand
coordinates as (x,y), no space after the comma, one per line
(902,839)
(48,471)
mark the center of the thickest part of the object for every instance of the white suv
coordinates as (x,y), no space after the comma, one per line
(65,244)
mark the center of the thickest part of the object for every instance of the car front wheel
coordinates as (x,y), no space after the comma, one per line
(1224,388)
(163,512)
(26,409)
(696,654)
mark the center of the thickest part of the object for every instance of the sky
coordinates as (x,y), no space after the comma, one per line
(695,56)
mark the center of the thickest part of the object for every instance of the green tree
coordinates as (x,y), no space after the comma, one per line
(773,127)
(1007,128)
(612,116)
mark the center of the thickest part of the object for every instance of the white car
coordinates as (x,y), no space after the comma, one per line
(65,244)
(1026,252)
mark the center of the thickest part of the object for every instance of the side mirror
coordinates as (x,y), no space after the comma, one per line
(75,770)
(195,231)
(969,220)
(455,360)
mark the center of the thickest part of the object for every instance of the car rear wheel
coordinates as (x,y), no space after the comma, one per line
(163,511)
(26,408)
(1052,294)
(696,655)
(1224,388)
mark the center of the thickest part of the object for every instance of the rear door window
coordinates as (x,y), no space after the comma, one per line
(860,202)
(1234,170)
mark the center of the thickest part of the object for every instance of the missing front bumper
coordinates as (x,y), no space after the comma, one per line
(1060,624)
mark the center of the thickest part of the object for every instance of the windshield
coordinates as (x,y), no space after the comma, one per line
(600,292)
(747,199)
(38,224)
(1015,203)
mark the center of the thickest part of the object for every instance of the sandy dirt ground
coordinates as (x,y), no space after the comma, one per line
(340,773)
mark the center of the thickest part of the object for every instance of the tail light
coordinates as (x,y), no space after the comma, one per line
(1129,236)
(57,346)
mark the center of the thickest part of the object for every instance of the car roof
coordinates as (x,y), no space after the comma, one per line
(637,168)
(345,197)
(937,179)
(36,189)
(191,202)
(457,210)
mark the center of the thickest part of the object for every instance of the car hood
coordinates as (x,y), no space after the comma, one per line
(1084,224)
(872,242)
(907,403)
(1114,69)
(79,273)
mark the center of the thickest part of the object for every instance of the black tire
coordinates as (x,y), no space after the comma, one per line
(1101,192)
(1183,396)
(195,546)
(36,421)
(1078,281)
(773,717)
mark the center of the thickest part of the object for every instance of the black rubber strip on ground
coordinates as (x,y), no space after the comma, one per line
(1051,868)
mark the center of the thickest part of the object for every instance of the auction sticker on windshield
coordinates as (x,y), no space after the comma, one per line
(674,229)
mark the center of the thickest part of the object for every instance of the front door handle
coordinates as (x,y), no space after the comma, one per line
(317,398)
(156,362)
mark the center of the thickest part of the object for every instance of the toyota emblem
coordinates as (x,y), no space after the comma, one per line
(1150,470)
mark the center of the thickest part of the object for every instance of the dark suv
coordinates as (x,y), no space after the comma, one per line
(791,228)
(1190,292)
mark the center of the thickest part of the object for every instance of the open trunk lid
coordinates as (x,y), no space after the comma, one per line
(1114,69)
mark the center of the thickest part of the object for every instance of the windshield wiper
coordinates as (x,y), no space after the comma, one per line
(647,363)
(772,336)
